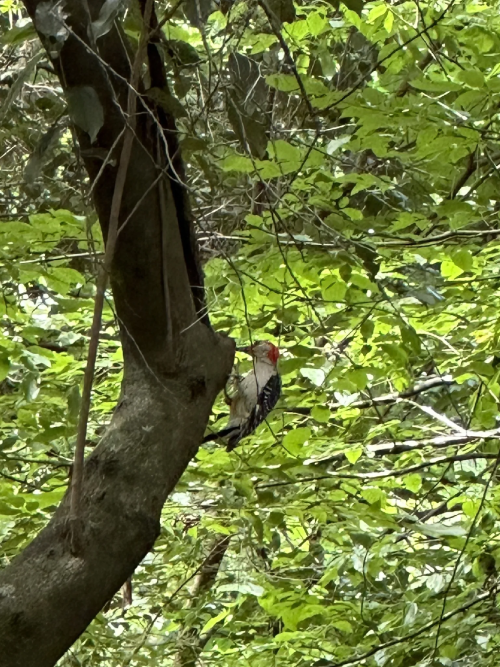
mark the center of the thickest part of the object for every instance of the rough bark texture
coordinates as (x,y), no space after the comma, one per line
(47,596)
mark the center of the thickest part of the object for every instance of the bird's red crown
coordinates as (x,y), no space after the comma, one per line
(274,353)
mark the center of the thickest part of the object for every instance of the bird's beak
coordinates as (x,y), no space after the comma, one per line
(245,349)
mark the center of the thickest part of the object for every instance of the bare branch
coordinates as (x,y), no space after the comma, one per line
(432,413)
(401,472)
(386,399)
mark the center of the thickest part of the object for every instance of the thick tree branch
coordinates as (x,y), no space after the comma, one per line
(48,596)
(102,281)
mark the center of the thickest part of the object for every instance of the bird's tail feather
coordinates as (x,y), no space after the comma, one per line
(228,431)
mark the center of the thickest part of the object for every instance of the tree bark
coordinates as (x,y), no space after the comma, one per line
(174,363)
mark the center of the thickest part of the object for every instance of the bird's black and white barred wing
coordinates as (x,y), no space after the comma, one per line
(266,400)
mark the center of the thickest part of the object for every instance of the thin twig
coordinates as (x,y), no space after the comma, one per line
(411,635)
(275,27)
(464,547)
(171,597)
(385,399)
(438,238)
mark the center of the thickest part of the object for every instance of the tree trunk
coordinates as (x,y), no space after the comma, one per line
(174,363)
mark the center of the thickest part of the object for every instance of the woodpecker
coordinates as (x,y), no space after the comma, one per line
(256,395)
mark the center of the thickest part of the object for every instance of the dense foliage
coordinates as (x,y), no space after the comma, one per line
(342,162)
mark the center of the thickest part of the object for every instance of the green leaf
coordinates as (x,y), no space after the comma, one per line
(216,619)
(379,10)
(358,377)
(315,375)
(463,259)
(411,614)
(298,30)
(19,34)
(374,495)
(330,575)
(334,144)
(333,289)
(353,213)
(352,455)
(4,364)
(316,23)
(367,329)
(283,151)
(413,482)
(396,352)
(389,21)
(411,338)
(343,626)
(450,270)
(237,163)
(472,78)
(321,414)
(30,386)
(295,439)
(74,402)
(439,530)
(287,83)
(471,507)
(435,582)
(7,510)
